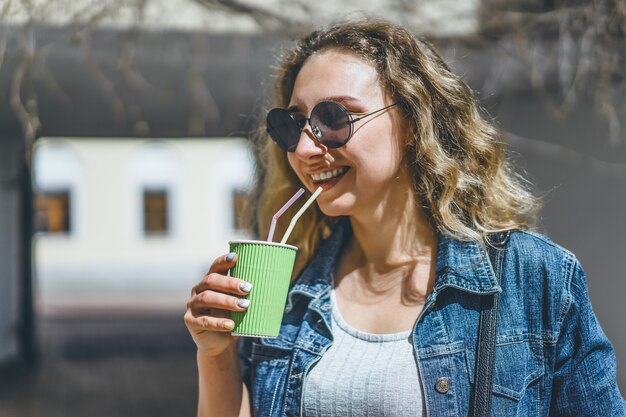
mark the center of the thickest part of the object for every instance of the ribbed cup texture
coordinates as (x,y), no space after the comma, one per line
(268,268)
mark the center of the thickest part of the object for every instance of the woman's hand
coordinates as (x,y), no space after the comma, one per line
(212,300)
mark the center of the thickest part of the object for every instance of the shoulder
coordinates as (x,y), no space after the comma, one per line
(534,241)
(538,252)
(538,272)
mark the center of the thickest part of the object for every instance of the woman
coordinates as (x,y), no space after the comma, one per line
(394,264)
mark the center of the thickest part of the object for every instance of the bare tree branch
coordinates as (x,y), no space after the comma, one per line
(4,12)
(576,47)
(26,115)
(23,100)
(265,18)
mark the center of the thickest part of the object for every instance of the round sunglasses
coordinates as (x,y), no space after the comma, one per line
(331,123)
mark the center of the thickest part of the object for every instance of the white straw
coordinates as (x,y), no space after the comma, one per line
(299,213)
(280,212)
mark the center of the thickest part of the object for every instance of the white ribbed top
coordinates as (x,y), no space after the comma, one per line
(364,374)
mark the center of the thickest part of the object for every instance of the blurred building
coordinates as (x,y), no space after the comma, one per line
(104,82)
(133,223)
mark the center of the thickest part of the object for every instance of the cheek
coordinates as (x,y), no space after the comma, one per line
(294,163)
(292,160)
(381,160)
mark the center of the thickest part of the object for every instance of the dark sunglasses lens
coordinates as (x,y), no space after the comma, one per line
(332,120)
(283,129)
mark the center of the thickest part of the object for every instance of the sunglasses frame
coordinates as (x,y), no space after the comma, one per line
(300,123)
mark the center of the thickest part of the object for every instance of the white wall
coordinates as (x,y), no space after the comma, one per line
(106,260)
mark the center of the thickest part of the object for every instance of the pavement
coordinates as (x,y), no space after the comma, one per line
(105,363)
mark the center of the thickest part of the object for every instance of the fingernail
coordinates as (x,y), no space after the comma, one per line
(229,325)
(243,303)
(245,286)
(230,257)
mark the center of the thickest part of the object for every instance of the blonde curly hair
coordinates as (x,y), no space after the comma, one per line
(455,155)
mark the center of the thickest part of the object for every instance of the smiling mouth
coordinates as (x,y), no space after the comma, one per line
(328,177)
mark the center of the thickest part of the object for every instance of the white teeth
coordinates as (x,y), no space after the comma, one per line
(327,175)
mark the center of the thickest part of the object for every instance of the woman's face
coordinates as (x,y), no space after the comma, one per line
(360,175)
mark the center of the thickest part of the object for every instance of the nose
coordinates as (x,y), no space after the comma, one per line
(308,143)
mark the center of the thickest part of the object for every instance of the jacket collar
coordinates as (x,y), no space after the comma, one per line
(461,265)
(464,265)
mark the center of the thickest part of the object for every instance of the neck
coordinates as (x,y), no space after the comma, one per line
(393,253)
(396,233)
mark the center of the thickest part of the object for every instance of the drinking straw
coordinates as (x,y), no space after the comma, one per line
(281,211)
(299,213)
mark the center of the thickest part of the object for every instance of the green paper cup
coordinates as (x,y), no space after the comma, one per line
(268,267)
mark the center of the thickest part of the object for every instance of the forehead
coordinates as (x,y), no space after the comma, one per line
(334,73)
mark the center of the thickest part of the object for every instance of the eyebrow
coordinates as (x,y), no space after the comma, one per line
(338,99)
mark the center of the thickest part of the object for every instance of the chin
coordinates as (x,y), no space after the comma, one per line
(335,208)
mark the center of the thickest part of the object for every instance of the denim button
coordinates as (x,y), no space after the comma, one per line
(443,385)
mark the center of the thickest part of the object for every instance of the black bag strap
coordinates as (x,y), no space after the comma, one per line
(486,348)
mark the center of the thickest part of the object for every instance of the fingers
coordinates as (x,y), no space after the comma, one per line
(215,296)
(200,303)
(218,282)
(202,323)
(223,263)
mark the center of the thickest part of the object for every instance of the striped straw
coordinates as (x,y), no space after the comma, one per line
(280,212)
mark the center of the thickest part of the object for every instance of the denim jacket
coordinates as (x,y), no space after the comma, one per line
(552,357)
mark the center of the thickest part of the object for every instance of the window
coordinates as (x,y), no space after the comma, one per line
(240,201)
(52,212)
(155,212)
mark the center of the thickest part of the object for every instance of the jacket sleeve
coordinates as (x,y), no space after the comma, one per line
(584,379)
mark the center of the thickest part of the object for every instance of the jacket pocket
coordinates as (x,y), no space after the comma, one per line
(263,352)
(269,371)
(519,363)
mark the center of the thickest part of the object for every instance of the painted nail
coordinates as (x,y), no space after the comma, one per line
(229,325)
(243,303)
(230,257)
(245,286)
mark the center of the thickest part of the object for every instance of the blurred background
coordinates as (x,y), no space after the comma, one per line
(124,163)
